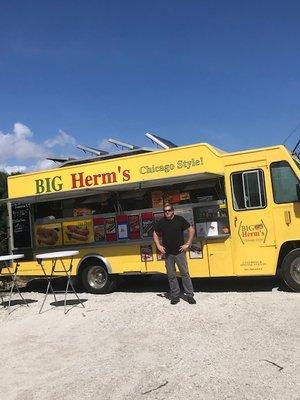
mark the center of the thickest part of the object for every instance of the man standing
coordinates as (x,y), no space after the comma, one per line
(171,229)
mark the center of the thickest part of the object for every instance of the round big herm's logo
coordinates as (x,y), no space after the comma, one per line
(253,233)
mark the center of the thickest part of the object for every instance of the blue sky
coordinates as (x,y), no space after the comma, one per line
(225,72)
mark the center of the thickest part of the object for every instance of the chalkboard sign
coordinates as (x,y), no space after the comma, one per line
(21,225)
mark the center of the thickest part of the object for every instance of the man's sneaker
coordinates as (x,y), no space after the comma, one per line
(191,300)
(175,300)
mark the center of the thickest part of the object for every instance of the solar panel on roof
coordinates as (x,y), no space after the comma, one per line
(119,154)
(164,143)
(123,145)
(60,159)
(100,155)
(92,150)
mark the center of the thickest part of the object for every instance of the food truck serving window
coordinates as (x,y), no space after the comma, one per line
(248,190)
(284,182)
(127,215)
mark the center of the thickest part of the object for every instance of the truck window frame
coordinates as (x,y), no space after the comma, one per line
(262,193)
(272,182)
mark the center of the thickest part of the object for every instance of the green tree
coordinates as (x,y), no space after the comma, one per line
(3,212)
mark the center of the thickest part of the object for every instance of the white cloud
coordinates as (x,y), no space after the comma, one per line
(20,146)
(27,150)
(61,139)
(12,168)
(21,130)
(41,165)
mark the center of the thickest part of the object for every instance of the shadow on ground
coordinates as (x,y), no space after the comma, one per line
(61,303)
(159,283)
(17,302)
(211,285)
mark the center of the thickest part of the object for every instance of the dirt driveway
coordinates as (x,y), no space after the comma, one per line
(239,342)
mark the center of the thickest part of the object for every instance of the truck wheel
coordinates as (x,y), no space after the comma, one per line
(291,270)
(95,279)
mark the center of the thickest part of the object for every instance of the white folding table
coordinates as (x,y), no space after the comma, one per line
(7,263)
(58,258)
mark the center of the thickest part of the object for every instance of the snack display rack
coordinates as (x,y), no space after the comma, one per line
(132,226)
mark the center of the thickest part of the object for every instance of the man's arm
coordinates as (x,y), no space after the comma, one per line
(158,245)
(191,233)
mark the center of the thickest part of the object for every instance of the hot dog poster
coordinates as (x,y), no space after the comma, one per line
(147,224)
(99,229)
(134,226)
(48,235)
(110,229)
(76,232)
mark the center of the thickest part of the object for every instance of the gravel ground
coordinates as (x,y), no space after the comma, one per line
(240,341)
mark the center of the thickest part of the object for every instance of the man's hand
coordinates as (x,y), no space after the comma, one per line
(184,248)
(161,249)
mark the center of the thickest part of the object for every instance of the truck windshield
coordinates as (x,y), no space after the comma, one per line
(297,162)
(284,182)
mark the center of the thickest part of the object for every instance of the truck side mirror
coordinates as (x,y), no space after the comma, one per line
(298,190)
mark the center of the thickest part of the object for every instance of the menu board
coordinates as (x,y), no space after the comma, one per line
(21,225)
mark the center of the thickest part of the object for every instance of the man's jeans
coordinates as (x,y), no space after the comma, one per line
(180,260)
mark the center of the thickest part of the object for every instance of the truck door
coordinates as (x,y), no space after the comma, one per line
(251,220)
(219,257)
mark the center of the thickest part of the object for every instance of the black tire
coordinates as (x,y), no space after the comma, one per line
(95,279)
(290,270)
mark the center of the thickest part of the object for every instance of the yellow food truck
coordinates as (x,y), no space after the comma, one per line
(245,207)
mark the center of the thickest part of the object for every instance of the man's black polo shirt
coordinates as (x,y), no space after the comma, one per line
(171,231)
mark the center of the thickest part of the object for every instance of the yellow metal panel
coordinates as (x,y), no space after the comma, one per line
(219,257)
(199,268)
(157,165)
(124,258)
(252,232)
